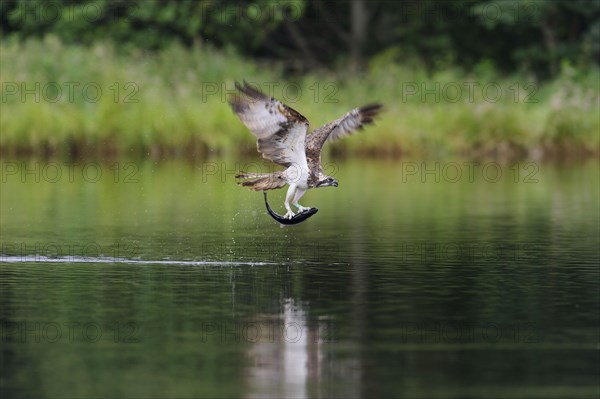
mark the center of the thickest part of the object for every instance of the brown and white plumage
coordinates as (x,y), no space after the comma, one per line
(262,181)
(279,129)
(352,122)
(281,138)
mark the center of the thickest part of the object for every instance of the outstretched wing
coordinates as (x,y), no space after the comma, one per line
(346,125)
(280,130)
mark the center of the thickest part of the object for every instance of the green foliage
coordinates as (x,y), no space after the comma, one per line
(174,101)
(548,31)
(575,104)
(510,35)
(150,24)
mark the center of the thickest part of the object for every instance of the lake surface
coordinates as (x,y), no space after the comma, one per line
(438,280)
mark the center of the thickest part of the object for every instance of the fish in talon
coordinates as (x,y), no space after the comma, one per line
(295,219)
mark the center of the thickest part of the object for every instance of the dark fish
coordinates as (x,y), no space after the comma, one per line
(297,218)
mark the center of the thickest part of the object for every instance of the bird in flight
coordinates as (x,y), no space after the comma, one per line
(281,138)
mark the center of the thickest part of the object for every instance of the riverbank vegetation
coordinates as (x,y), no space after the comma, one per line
(509,78)
(95,100)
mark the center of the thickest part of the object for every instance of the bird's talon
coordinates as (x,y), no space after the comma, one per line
(301,208)
(289,215)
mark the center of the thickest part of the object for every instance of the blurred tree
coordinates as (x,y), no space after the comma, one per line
(547,31)
(507,35)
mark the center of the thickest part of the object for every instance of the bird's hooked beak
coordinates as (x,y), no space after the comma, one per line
(329,182)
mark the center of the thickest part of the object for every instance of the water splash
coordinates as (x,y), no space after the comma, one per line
(107,259)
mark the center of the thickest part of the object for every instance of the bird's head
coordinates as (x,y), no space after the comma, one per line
(326,181)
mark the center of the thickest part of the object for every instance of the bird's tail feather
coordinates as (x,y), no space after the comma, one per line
(261,181)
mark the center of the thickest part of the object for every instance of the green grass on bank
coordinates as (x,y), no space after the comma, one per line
(70,100)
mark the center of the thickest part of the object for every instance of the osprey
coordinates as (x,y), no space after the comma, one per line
(281,138)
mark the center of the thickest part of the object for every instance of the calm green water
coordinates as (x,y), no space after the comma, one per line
(167,279)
